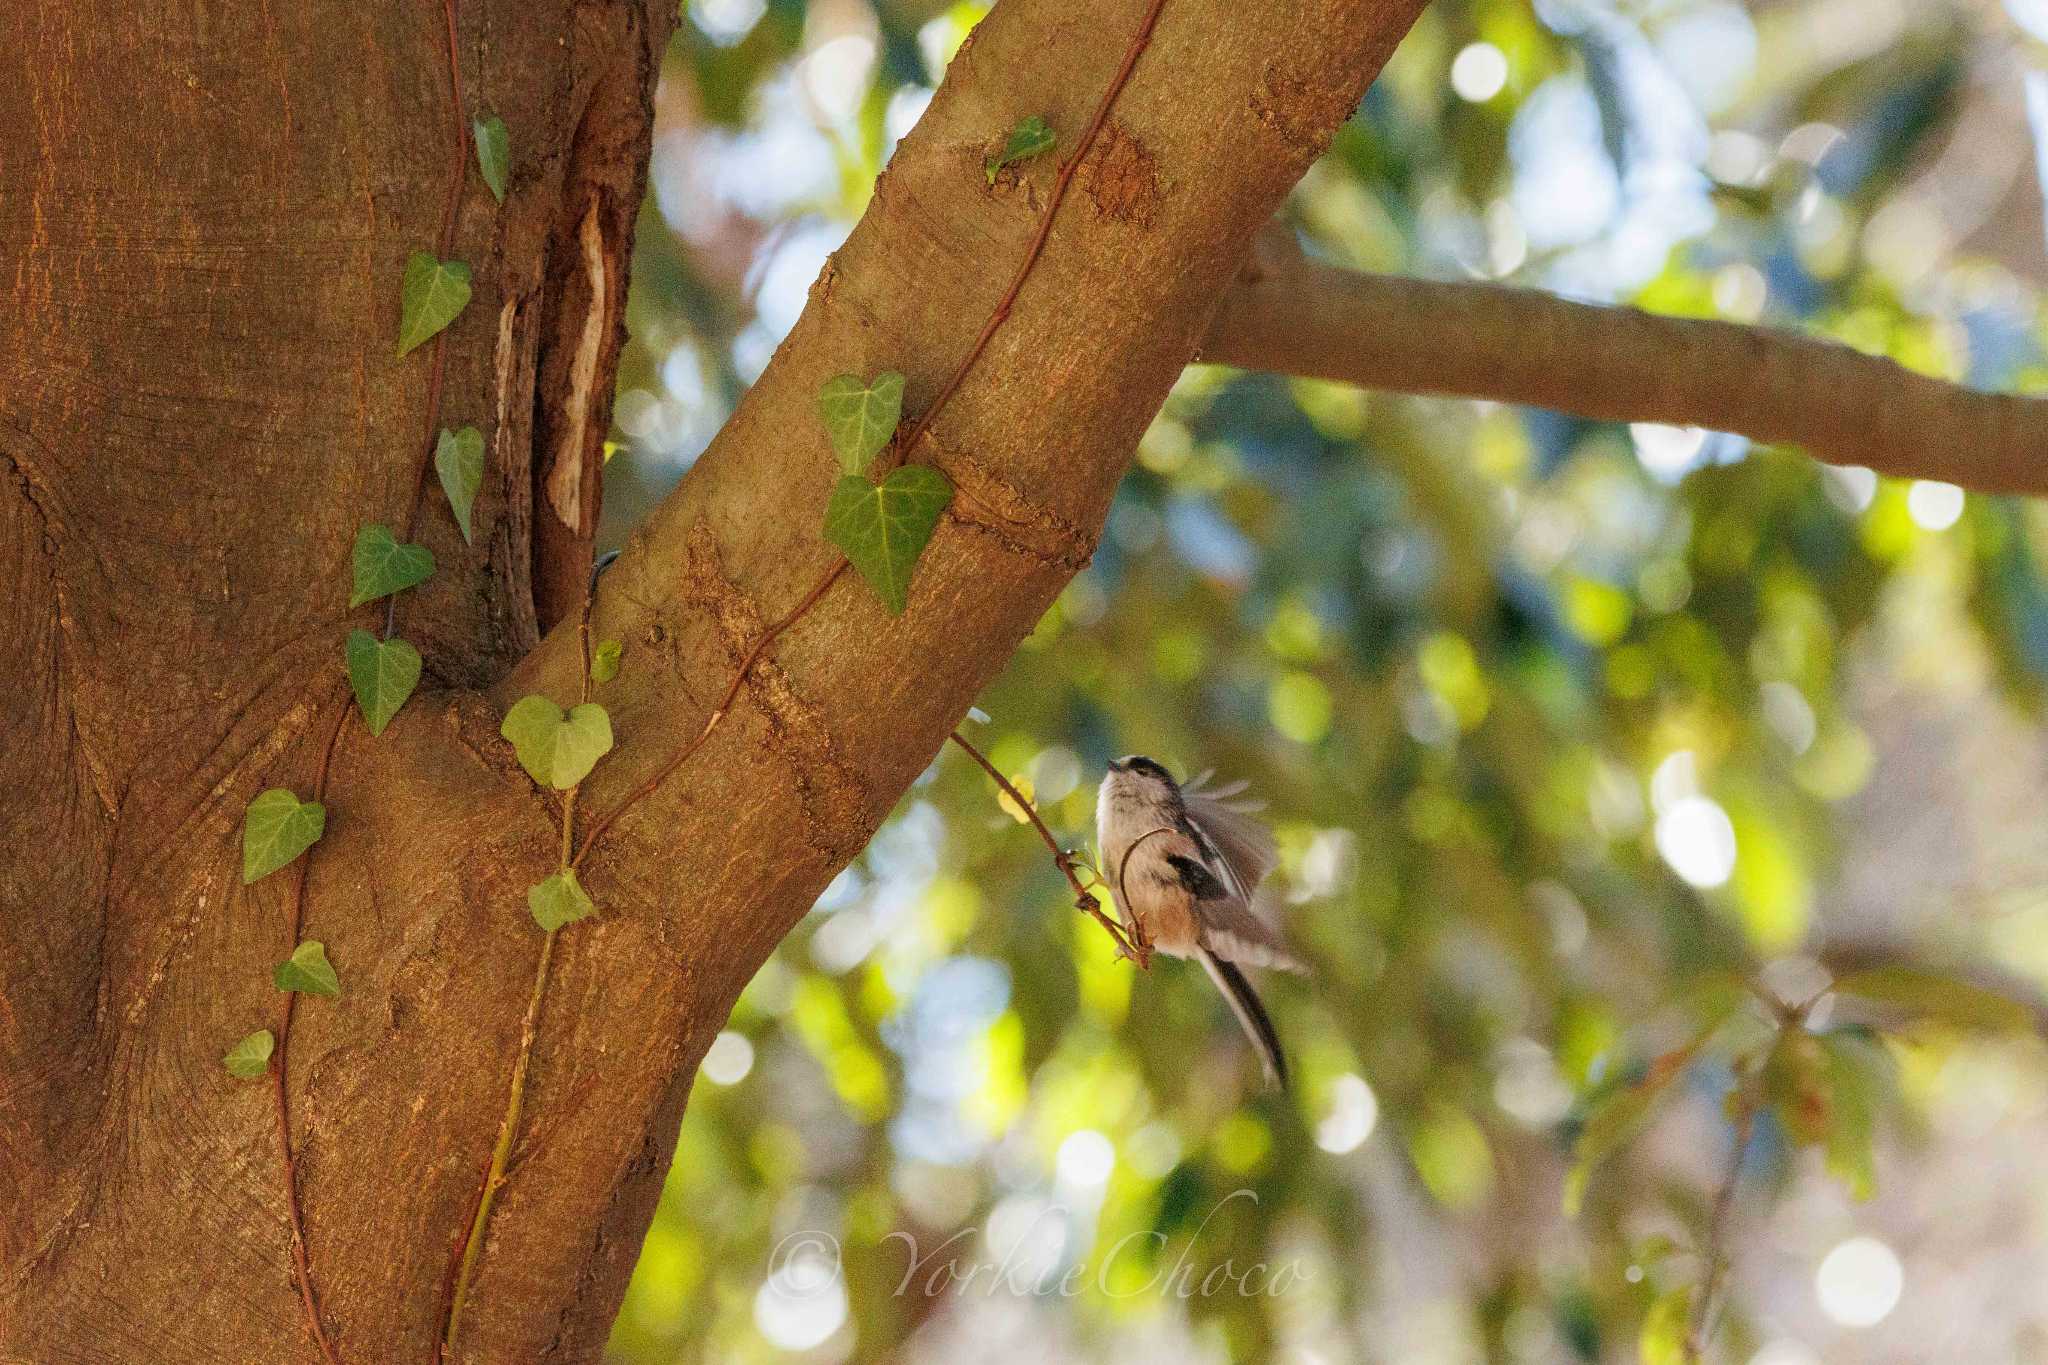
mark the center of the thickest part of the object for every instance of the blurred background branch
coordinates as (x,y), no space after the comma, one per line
(1295,315)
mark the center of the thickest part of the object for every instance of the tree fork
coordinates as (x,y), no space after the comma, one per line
(179,634)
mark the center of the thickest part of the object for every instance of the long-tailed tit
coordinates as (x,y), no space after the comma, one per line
(1184,862)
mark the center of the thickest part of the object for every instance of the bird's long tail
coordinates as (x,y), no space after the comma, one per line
(1251,1015)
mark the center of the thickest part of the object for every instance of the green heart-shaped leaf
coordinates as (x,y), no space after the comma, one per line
(430,297)
(459,460)
(383,673)
(559,900)
(277,828)
(1031,137)
(384,566)
(861,417)
(493,153)
(557,750)
(604,664)
(307,970)
(250,1058)
(883,529)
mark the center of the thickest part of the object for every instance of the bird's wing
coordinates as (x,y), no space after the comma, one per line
(1234,932)
(1243,844)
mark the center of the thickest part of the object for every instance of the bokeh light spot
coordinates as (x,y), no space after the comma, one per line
(1859,1282)
(1934,506)
(1479,72)
(1697,839)
(1354,1113)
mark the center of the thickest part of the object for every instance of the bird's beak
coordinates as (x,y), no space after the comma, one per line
(1115,766)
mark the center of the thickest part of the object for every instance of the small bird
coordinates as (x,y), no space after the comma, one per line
(1184,861)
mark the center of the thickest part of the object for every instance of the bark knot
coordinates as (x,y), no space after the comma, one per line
(1122,177)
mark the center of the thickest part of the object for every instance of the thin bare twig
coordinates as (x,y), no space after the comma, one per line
(1706,1304)
(1135,945)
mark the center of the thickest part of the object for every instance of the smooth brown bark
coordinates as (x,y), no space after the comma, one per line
(202,231)
(1475,340)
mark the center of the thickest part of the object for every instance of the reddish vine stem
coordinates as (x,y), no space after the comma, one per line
(302,1267)
(1132,52)
(725,702)
(1139,40)
(437,370)
(1134,945)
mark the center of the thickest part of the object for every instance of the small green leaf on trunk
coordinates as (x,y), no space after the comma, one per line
(384,566)
(559,900)
(604,664)
(459,460)
(250,1058)
(884,528)
(1032,136)
(433,293)
(493,153)
(307,970)
(861,417)
(557,750)
(276,828)
(383,674)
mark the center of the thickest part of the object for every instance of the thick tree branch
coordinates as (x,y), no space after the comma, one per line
(1298,316)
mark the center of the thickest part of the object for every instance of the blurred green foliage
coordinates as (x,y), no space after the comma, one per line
(1554,719)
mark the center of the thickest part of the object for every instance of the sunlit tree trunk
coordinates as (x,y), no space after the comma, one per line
(204,214)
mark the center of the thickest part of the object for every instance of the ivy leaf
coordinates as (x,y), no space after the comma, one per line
(433,293)
(383,674)
(861,417)
(277,828)
(559,900)
(493,153)
(307,970)
(250,1058)
(883,529)
(604,664)
(557,750)
(384,566)
(1939,997)
(1031,137)
(459,460)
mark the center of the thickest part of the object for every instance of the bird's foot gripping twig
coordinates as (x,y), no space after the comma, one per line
(1132,942)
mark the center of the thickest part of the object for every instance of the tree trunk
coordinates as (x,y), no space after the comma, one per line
(204,224)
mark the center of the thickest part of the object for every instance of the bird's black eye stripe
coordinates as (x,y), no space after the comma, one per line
(1138,764)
